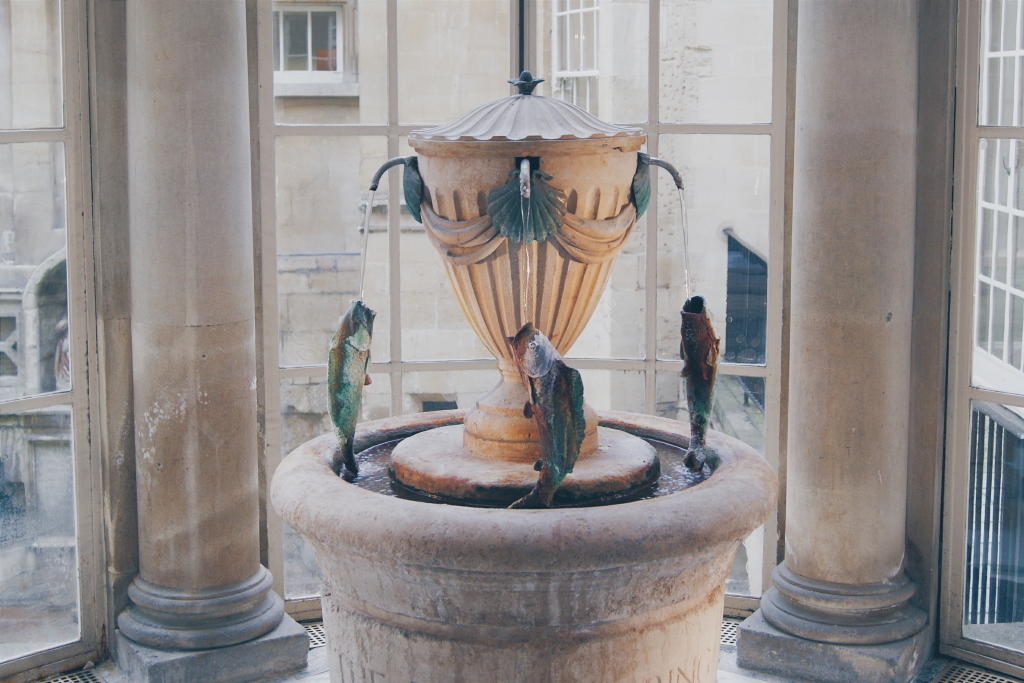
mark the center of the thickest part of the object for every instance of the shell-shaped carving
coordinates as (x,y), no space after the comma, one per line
(543,210)
(526,117)
(640,190)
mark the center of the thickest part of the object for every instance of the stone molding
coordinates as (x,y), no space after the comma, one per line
(846,614)
(201,619)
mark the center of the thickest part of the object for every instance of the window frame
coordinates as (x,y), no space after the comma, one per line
(774,371)
(562,72)
(90,552)
(965,258)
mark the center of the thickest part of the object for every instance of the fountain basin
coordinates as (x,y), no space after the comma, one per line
(434,593)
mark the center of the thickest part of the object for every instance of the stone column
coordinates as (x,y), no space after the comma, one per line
(838,609)
(200,583)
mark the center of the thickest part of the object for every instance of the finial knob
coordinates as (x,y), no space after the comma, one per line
(526,83)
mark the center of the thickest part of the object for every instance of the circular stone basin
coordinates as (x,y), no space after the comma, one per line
(431,593)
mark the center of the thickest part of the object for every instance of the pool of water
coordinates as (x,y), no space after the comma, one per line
(675,476)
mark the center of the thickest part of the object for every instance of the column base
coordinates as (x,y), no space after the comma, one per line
(179,619)
(762,647)
(844,614)
(277,653)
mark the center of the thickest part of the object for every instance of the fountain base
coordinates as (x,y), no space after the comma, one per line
(437,464)
(443,594)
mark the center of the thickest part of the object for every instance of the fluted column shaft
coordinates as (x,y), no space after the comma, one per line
(200,582)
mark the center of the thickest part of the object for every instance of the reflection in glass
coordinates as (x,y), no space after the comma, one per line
(304,417)
(321,200)
(727,203)
(38,547)
(296,47)
(994,574)
(452,56)
(35,353)
(594,54)
(31,91)
(716,61)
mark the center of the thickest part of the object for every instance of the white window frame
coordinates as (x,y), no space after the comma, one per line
(773,370)
(309,82)
(963,354)
(561,72)
(90,553)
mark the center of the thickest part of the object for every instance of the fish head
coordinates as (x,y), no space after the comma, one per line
(357,325)
(695,304)
(533,351)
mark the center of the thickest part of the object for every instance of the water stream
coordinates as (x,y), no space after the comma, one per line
(366,242)
(686,246)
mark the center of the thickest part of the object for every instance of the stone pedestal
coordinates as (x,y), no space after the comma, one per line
(841,595)
(201,590)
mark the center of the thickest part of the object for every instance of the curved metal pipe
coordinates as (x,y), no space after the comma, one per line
(676,178)
(395,161)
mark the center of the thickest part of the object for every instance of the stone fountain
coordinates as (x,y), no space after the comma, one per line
(588,590)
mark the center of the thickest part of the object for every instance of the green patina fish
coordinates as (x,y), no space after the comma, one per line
(556,395)
(347,363)
(699,348)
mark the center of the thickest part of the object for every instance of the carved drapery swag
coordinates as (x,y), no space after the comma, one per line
(463,243)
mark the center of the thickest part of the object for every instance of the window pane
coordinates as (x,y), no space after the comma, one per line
(452,56)
(31,92)
(38,548)
(993,590)
(325,41)
(739,412)
(304,417)
(325,50)
(999,328)
(296,41)
(616,330)
(614,389)
(449,389)
(35,354)
(1000,96)
(727,210)
(321,202)
(716,61)
(596,56)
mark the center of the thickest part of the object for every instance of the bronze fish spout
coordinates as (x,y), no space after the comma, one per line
(556,403)
(699,349)
(347,362)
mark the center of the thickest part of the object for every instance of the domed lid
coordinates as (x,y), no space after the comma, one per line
(526,118)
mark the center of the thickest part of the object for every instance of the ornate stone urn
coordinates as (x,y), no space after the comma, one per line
(528,200)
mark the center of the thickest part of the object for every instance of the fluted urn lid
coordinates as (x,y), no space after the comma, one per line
(526,124)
